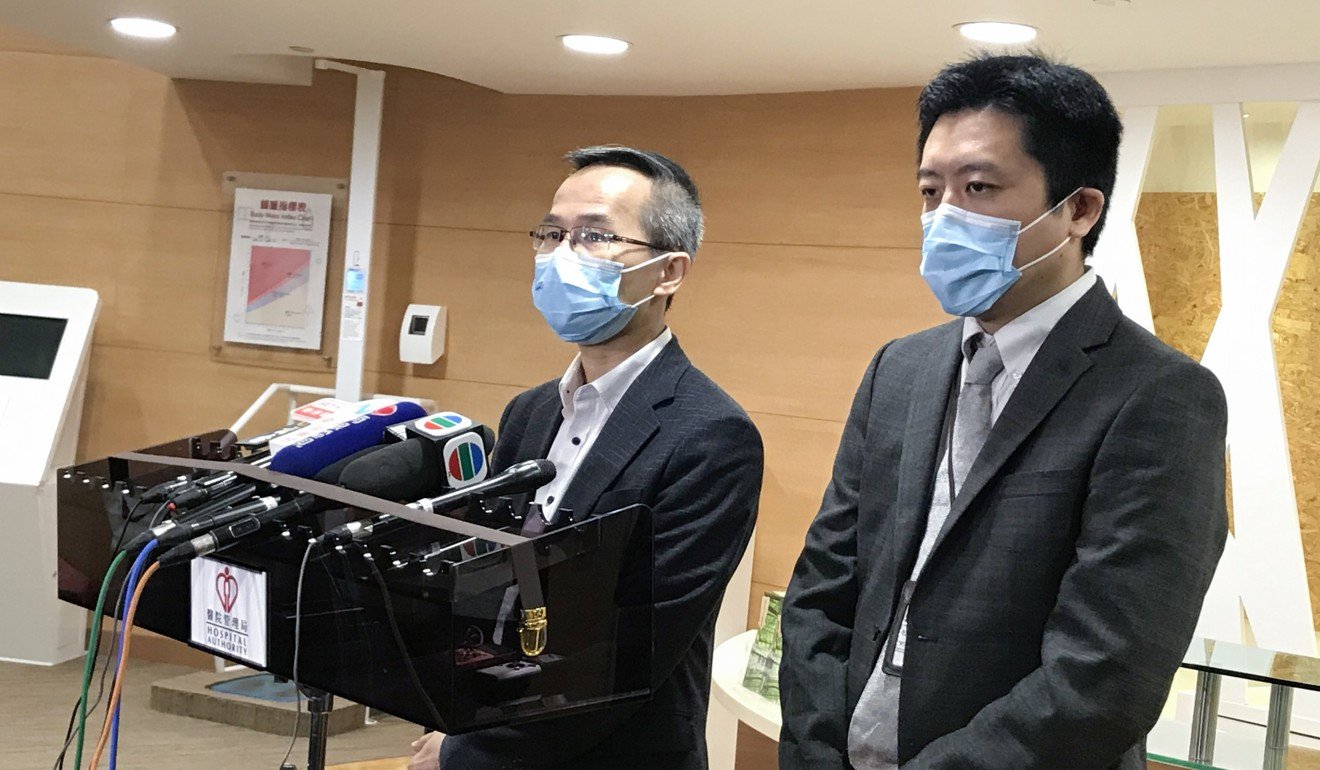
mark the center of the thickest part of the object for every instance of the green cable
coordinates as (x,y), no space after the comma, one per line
(93,638)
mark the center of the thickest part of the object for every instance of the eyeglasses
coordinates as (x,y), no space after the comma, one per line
(591,241)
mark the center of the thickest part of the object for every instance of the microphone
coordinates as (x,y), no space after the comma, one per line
(452,431)
(312,454)
(523,477)
(374,477)
(463,446)
(212,516)
(403,471)
(185,491)
(411,469)
(206,488)
(232,517)
(240,526)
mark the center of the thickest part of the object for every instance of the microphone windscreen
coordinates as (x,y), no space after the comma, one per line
(311,455)
(331,473)
(408,470)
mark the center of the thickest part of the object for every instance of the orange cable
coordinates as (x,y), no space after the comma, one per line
(123,664)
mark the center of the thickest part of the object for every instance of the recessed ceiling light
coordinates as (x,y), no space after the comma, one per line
(148,28)
(594,44)
(1002,32)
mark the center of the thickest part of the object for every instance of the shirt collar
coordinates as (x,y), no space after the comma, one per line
(1020,339)
(611,385)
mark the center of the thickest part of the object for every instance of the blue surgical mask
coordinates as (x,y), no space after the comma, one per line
(967,258)
(579,295)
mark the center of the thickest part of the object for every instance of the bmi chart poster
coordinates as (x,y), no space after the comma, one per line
(277,266)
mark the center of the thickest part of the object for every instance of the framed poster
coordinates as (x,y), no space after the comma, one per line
(277,268)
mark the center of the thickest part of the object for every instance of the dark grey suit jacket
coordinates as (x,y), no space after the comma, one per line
(682,446)
(1066,583)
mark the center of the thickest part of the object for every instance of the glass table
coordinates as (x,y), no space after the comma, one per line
(1283,672)
(1211,660)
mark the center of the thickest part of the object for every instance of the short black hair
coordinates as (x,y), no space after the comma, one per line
(672,216)
(1069,125)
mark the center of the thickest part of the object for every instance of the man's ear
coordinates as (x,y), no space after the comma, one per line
(1086,207)
(675,270)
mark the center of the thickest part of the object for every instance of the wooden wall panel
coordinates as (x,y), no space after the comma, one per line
(799,454)
(789,329)
(63,240)
(780,168)
(63,125)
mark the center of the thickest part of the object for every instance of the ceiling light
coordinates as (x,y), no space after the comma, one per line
(594,44)
(1002,32)
(148,28)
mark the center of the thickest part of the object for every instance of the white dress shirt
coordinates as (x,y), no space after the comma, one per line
(587,407)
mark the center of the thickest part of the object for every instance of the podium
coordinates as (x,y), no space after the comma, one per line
(457,661)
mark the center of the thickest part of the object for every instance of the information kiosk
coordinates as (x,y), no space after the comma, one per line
(45,341)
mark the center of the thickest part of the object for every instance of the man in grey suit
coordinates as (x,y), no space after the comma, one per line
(631,421)
(1027,505)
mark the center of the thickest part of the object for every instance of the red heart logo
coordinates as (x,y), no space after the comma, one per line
(226,587)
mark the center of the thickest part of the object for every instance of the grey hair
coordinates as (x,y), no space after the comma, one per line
(672,215)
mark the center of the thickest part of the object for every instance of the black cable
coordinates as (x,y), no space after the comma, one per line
(398,638)
(297,639)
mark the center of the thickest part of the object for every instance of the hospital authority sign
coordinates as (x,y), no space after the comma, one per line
(229,610)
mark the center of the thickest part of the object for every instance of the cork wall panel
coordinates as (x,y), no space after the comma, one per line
(1180,251)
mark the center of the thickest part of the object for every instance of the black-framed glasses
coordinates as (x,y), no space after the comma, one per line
(591,241)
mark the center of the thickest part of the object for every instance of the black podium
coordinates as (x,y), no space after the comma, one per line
(450,583)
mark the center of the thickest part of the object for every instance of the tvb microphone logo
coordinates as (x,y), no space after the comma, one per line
(465,460)
(442,423)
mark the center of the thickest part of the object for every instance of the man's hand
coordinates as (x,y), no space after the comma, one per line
(426,752)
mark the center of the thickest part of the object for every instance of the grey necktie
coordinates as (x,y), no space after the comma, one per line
(972,423)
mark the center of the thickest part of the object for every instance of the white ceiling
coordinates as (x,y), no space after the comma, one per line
(679,46)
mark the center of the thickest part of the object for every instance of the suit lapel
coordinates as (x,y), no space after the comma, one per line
(542,424)
(1057,365)
(934,379)
(628,428)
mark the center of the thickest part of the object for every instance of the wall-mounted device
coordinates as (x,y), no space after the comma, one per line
(422,334)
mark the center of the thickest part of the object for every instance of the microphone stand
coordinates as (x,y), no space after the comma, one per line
(319,704)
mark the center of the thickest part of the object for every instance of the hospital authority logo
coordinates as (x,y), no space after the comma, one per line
(226,587)
(228,613)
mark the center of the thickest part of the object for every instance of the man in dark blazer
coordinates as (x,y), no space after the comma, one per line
(1027,504)
(631,421)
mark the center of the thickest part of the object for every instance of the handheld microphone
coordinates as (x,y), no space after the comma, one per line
(230,519)
(517,479)
(400,472)
(310,455)
(164,489)
(211,516)
(206,488)
(523,477)
(240,527)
